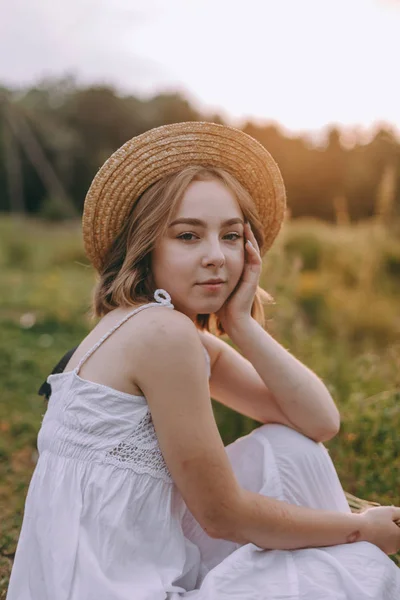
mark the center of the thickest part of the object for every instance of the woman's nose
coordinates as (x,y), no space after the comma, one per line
(213,254)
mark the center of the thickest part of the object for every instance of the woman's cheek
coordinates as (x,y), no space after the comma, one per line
(182,261)
(235,277)
(239,264)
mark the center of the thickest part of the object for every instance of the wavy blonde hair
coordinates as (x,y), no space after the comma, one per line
(126,278)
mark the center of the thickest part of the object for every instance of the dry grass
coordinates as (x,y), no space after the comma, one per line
(336,309)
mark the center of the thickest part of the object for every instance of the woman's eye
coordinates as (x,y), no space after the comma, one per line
(187,237)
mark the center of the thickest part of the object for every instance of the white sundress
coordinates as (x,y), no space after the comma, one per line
(104,520)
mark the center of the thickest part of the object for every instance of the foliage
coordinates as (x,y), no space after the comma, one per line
(78,128)
(336,308)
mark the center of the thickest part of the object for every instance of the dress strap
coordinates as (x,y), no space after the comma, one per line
(162,298)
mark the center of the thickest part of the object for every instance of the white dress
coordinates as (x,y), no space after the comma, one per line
(104,521)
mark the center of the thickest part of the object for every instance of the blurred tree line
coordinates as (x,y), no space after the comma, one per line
(54,137)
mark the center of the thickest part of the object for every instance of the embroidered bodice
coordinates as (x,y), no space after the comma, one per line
(91,421)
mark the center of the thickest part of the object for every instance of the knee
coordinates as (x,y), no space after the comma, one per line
(278,430)
(284,439)
(273,427)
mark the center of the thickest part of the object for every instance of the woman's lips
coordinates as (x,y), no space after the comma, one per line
(212,287)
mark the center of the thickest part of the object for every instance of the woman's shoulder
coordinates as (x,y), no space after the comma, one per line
(165,326)
(167,341)
(161,318)
(157,327)
(131,330)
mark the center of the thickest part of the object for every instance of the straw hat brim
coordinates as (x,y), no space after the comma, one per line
(159,152)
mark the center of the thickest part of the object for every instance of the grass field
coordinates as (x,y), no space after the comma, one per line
(336,308)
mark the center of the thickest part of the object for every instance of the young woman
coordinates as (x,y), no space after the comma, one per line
(134,496)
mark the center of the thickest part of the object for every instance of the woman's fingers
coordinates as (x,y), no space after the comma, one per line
(250,236)
(396,513)
(253,253)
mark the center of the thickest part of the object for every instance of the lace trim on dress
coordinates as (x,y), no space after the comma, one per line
(140,452)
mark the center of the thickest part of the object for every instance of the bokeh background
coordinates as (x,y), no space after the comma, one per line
(317,84)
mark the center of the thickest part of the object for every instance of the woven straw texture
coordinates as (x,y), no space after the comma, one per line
(146,158)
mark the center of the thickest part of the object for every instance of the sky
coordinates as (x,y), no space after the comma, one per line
(302,63)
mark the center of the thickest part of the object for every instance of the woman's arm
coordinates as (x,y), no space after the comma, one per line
(299,393)
(171,370)
(235,383)
(272,524)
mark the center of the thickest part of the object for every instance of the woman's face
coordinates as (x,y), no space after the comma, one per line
(203,242)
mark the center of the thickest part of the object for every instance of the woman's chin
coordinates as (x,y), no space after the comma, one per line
(199,308)
(205,305)
(210,306)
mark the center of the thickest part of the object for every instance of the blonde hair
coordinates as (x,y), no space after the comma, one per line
(126,278)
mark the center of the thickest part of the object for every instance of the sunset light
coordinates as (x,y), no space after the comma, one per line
(302,64)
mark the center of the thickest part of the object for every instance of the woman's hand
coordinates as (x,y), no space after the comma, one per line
(237,307)
(381,528)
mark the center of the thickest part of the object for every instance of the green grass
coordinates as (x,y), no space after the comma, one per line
(336,296)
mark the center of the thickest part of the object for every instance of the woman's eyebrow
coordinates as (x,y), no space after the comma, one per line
(200,223)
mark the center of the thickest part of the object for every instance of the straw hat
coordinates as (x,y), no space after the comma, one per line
(148,157)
